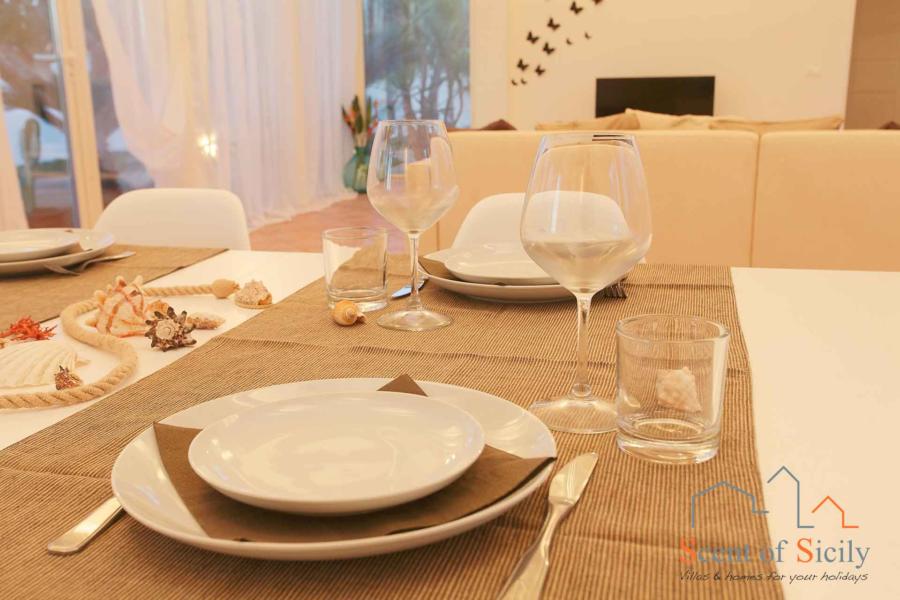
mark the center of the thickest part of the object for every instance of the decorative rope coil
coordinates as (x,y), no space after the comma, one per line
(126,354)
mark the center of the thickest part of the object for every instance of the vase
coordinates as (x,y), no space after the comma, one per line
(357,170)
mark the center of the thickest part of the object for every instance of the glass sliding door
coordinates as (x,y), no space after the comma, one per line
(31,76)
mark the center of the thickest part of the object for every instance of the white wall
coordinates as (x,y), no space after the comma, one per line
(773,59)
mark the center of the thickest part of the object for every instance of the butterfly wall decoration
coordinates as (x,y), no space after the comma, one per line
(553,25)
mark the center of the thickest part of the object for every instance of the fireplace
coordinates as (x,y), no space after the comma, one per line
(672,95)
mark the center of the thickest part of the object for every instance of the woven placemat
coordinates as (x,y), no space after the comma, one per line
(622,541)
(42,296)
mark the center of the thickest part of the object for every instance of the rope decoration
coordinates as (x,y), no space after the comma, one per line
(126,354)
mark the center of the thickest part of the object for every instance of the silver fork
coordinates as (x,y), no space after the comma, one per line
(79,269)
(616,290)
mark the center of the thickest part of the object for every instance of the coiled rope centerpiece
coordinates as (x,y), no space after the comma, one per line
(128,357)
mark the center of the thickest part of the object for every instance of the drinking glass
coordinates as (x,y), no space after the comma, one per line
(412,184)
(586,221)
(356,266)
(670,376)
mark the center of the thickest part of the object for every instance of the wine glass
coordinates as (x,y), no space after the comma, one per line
(412,184)
(586,221)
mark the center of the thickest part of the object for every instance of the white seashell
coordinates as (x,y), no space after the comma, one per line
(677,388)
(34,363)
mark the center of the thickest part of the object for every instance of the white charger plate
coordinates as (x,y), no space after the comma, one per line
(141,484)
(30,244)
(333,454)
(93,242)
(492,263)
(498,293)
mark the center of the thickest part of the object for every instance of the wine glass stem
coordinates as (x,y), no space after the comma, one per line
(582,387)
(414,302)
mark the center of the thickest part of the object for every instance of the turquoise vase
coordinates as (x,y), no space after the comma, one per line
(357,170)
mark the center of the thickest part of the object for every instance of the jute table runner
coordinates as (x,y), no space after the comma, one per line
(42,296)
(625,539)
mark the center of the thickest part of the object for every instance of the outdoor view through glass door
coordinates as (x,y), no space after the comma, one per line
(31,81)
(34,86)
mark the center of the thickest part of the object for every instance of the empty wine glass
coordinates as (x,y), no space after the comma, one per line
(586,221)
(412,184)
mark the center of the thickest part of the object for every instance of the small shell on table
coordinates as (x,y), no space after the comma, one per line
(205,320)
(346,312)
(66,379)
(222,288)
(253,295)
(34,363)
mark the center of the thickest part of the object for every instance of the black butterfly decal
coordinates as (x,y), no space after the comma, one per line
(533,38)
(575,8)
(568,41)
(552,24)
(587,36)
(523,82)
(522,65)
(597,2)
(548,49)
(539,70)
(513,81)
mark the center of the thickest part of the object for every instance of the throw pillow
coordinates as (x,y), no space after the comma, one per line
(620,121)
(761,127)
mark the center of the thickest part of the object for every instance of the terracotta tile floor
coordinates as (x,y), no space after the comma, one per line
(303,233)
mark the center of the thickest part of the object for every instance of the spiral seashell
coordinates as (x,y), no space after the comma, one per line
(346,313)
(222,288)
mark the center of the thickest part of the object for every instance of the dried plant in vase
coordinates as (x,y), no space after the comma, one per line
(361,124)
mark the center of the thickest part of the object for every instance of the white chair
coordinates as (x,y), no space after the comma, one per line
(188,217)
(494,219)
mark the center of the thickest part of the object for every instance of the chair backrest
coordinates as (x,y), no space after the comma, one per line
(701,187)
(494,219)
(188,217)
(828,200)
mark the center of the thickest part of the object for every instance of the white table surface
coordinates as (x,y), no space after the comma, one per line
(825,354)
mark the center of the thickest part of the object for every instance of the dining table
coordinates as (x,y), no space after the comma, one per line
(824,350)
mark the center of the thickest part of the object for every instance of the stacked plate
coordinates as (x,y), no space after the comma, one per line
(330,448)
(500,272)
(29,250)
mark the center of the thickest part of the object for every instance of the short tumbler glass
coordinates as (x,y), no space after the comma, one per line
(670,377)
(356,266)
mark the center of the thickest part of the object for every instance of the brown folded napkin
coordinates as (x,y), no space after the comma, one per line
(493,476)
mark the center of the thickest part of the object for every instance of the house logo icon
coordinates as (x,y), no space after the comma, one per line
(755,504)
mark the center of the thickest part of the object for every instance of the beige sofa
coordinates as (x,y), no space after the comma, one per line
(798,199)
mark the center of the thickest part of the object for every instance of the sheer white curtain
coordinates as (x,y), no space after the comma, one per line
(12,211)
(237,94)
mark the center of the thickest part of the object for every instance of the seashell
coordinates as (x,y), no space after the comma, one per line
(205,320)
(157,306)
(34,363)
(346,312)
(222,288)
(253,295)
(122,310)
(65,379)
(677,389)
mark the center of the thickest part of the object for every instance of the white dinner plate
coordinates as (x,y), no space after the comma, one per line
(29,244)
(337,453)
(498,293)
(493,263)
(93,243)
(141,484)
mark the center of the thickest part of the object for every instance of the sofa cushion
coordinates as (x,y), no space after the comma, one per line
(620,121)
(828,200)
(701,187)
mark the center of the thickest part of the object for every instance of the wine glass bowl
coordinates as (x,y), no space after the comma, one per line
(586,221)
(412,184)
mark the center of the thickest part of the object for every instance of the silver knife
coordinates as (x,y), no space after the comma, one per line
(78,537)
(527,580)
